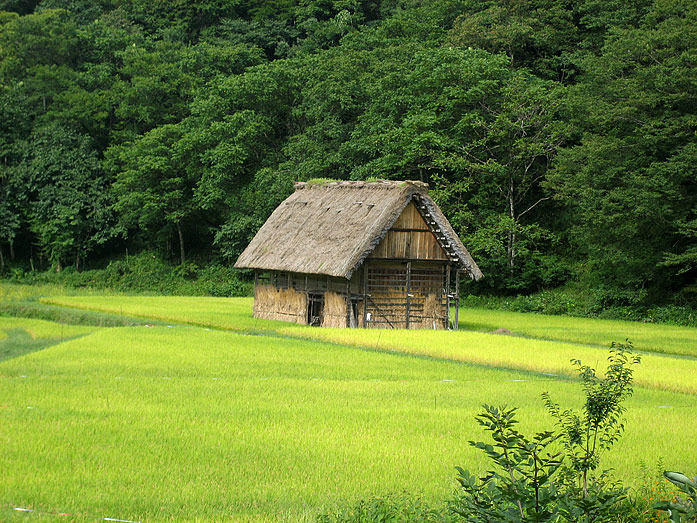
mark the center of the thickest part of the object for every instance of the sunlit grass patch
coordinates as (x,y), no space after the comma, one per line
(183,423)
(225,313)
(657,370)
(40,329)
(669,339)
(19,291)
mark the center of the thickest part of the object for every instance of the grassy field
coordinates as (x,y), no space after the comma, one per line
(233,313)
(668,339)
(200,423)
(20,336)
(676,370)
(39,329)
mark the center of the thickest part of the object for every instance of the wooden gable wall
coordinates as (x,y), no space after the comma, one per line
(409,238)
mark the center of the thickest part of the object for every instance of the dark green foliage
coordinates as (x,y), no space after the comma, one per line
(69,213)
(628,183)
(148,273)
(558,136)
(532,479)
(586,435)
(581,302)
(521,487)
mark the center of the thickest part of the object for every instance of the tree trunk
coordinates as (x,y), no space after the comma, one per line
(511,247)
(12,250)
(181,242)
(2,261)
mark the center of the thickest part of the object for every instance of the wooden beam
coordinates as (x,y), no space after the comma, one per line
(348,303)
(411,259)
(408,292)
(405,229)
(457,299)
(447,297)
(382,314)
(365,294)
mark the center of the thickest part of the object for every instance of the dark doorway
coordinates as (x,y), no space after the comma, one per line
(353,320)
(315,309)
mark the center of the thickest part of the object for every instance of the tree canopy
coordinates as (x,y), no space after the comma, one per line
(557,135)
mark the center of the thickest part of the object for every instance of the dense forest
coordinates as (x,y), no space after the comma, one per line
(559,136)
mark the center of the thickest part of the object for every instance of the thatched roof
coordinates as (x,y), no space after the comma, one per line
(331,228)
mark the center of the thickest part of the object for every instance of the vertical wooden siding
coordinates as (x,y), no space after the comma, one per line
(409,238)
(400,297)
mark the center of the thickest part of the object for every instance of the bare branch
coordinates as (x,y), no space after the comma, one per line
(534,205)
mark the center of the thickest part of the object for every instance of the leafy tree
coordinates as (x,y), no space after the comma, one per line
(629,183)
(231,144)
(482,134)
(68,210)
(48,38)
(598,427)
(533,481)
(274,36)
(82,11)
(159,81)
(153,189)
(179,20)
(538,34)
(10,214)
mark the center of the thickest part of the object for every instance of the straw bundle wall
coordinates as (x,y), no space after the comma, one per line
(388,309)
(279,304)
(433,316)
(334,310)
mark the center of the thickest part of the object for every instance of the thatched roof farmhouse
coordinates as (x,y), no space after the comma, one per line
(358,254)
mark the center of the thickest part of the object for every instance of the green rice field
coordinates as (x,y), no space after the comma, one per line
(671,370)
(212,415)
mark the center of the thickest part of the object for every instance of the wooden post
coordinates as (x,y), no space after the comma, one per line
(457,299)
(447,296)
(365,295)
(408,291)
(348,303)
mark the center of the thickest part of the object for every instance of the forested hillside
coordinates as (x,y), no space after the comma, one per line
(559,136)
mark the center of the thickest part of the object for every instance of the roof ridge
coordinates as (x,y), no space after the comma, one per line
(333,184)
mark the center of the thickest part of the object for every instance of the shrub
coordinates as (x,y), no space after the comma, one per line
(531,482)
(147,273)
(397,508)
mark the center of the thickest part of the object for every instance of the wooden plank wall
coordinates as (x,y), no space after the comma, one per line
(409,238)
(393,295)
